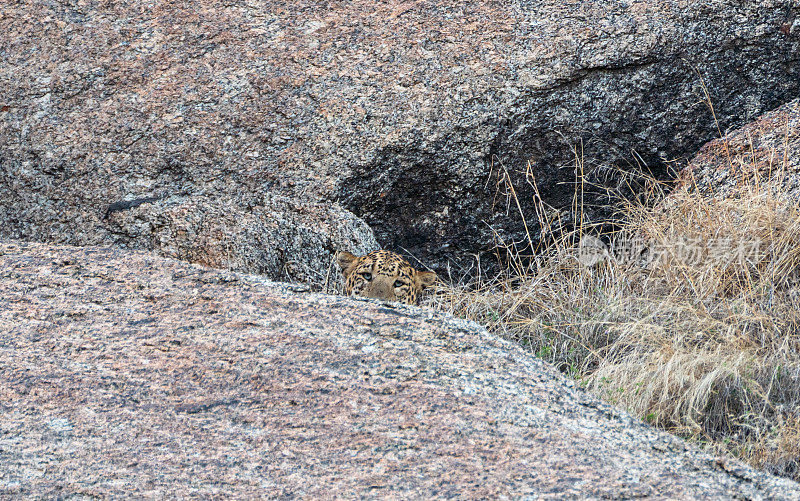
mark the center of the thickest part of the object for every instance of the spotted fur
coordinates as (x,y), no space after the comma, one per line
(383,275)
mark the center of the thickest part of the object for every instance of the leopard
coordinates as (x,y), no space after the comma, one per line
(385,275)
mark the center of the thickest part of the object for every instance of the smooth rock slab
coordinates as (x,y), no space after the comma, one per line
(126,374)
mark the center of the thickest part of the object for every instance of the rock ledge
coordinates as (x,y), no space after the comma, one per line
(126,374)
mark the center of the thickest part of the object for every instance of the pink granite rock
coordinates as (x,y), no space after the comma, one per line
(129,375)
(410,114)
(766,149)
(275,236)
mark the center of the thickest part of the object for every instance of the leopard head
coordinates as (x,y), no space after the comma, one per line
(383,275)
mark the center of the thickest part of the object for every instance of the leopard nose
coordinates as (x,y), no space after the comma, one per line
(381,289)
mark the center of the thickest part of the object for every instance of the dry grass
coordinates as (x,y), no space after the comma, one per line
(695,331)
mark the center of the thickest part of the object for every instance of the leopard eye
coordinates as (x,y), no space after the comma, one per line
(367,276)
(399,283)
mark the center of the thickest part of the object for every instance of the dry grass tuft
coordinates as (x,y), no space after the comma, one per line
(693,329)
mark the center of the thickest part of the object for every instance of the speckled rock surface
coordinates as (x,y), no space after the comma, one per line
(275,236)
(128,375)
(767,149)
(411,114)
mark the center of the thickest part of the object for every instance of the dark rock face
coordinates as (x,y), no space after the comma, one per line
(412,115)
(130,375)
(767,149)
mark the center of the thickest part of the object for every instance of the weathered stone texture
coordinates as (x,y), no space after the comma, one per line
(765,150)
(411,114)
(130,375)
(275,236)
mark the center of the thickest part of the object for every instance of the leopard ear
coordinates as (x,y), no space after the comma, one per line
(424,278)
(345,261)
